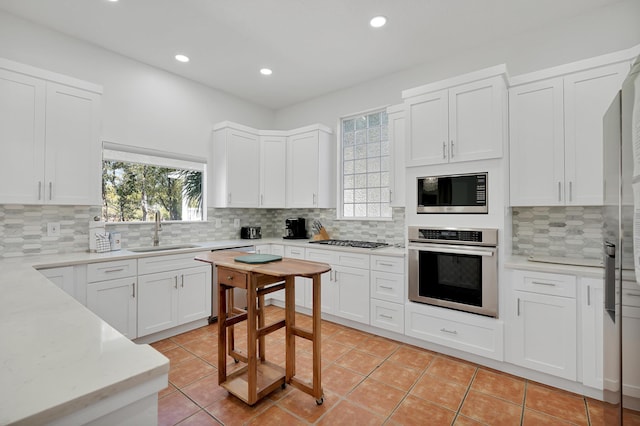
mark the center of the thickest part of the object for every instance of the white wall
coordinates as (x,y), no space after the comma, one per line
(602,31)
(142,105)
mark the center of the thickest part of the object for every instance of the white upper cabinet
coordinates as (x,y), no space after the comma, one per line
(460,119)
(50,136)
(235,172)
(397,130)
(311,168)
(556,136)
(273,177)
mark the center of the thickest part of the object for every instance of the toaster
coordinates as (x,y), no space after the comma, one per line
(250,232)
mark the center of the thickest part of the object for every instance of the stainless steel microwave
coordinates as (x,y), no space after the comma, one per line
(465,193)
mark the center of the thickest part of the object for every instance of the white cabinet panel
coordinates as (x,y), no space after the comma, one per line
(22,123)
(427,129)
(388,286)
(111,270)
(194,301)
(157,302)
(273,155)
(387,315)
(352,288)
(592,307)
(397,139)
(115,302)
(63,277)
(630,351)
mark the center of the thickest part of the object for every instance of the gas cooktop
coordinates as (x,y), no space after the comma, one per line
(351,243)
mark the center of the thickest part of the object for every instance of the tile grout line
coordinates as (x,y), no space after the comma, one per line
(524,400)
(475,373)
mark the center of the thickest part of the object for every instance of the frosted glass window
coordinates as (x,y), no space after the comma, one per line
(366,161)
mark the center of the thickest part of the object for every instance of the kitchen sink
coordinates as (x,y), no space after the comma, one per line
(162,248)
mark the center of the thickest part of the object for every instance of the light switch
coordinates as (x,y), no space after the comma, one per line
(53,229)
(236,223)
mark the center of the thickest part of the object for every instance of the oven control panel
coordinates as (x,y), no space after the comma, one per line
(488,237)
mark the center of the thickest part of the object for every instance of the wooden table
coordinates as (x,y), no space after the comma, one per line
(260,377)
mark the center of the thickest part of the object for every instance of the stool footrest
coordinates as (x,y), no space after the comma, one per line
(306,334)
(235,319)
(271,328)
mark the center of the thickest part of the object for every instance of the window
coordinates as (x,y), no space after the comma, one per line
(365,166)
(137,183)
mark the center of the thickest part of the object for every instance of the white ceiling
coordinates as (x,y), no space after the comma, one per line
(313,46)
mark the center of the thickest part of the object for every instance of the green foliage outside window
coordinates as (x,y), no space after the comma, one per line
(134,192)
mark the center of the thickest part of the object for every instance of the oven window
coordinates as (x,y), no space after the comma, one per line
(453,277)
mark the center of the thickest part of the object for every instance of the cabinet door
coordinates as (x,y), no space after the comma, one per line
(22,123)
(397,129)
(592,306)
(352,293)
(62,277)
(302,169)
(157,302)
(194,297)
(273,155)
(72,161)
(243,169)
(115,302)
(536,144)
(543,335)
(587,96)
(476,113)
(427,129)
(631,351)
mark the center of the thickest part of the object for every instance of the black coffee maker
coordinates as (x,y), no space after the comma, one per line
(294,229)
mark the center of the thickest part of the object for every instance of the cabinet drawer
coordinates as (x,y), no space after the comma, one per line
(387,264)
(387,286)
(387,315)
(169,262)
(232,277)
(353,260)
(466,332)
(545,283)
(325,256)
(294,252)
(277,249)
(111,270)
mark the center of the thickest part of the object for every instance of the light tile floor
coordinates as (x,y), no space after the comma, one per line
(367,380)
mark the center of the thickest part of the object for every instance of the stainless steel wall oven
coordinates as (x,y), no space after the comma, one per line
(454,268)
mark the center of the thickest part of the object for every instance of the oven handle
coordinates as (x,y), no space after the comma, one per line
(449,249)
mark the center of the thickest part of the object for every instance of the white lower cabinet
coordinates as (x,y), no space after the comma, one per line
(631,339)
(542,323)
(345,289)
(592,309)
(387,282)
(387,315)
(459,330)
(173,297)
(63,277)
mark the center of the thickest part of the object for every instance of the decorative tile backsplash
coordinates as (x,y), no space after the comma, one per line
(23,228)
(574,232)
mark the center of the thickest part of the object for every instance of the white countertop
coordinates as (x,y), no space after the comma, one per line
(523,262)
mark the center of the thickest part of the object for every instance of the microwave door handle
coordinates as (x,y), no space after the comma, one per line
(456,251)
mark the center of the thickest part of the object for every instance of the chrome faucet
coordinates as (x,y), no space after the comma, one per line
(156,228)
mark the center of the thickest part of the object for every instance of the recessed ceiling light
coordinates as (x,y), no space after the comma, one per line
(182,58)
(378,21)
(266,71)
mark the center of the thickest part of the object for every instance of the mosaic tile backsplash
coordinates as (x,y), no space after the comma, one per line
(573,232)
(23,228)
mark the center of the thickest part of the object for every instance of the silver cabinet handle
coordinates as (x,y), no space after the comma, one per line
(335,276)
(444,330)
(570,191)
(107,271)
(559,191)
(451,147)
(385,264)
(314,199)
(543,283)
(39,190)
(391,195)
(182,280)
(588,295)
(133,286)
(50,190)
(175,285)
(444,149)
(229,198)
(386,287)
(261,199)
(386,316)
(518,308)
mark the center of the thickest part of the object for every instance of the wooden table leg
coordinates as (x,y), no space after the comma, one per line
(317,339)
(261,347)
(252,374)
(231,338)
(290,320)
(222,333)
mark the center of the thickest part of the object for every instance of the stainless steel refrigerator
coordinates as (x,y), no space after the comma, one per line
(621,316)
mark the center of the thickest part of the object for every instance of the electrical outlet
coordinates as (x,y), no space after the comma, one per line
(53,229)
(236,223)
(218,223)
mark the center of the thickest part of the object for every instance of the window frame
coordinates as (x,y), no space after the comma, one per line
(340,169)
(112,151)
